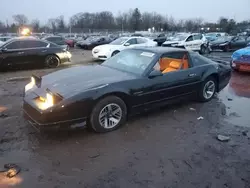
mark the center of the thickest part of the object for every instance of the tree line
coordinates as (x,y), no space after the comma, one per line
(132,20)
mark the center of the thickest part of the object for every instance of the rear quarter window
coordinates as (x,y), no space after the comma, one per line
(197,59)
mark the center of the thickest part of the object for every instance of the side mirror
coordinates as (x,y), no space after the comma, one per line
(155,73)
(127,44)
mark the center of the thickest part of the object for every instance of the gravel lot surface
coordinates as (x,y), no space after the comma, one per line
(164,148)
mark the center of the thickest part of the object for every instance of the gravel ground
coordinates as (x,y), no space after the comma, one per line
(165,148)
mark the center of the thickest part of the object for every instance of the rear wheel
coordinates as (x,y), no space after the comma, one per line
(207,90)
(52,61)
(108,114)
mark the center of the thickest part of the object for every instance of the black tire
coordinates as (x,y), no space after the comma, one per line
(114,53)
(226,48)
(94,118)
(204,50)
(201,95)
(52,61)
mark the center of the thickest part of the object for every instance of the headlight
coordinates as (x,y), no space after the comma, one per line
(45,103)
(31,84)
(69,54)
(96,50)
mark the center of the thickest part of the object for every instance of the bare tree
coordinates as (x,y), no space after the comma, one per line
(52,24)
(35,25)
(20,19)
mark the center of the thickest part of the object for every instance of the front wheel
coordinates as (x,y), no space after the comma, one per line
(108,114)
(226,48)
(52,61)
(207,90)
(204,50)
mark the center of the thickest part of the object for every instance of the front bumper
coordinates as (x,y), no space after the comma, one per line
(241,66)
(43,122)
(100,56)
(216,47)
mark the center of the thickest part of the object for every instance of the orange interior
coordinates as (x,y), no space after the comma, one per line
(171,64)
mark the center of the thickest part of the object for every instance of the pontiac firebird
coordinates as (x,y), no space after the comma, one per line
(102,96)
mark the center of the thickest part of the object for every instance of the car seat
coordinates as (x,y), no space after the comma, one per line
(173,66)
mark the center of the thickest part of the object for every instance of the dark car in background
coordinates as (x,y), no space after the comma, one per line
(92,42)
(59,40)
(160,39)
(22,51)
(228,43)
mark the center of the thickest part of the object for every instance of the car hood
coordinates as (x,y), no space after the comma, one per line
(71,81)
(244,51)
(217,42)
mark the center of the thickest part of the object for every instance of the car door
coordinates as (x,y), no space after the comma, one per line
(12,54)
(238,42)
(131,43)
(189,43)
(197,42)
(142,42)
(172,85)
(34,51)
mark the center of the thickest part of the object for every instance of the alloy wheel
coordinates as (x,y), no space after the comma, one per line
(209,89)
(110,116)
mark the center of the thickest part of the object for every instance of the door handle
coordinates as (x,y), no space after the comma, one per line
(44,51)
(192,75)
(20,53)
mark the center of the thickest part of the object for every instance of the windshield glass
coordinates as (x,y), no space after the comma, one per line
(211,34)
(1,43)
(132,61)
(119,41)
(90,39)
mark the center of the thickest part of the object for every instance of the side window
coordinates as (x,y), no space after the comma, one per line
(173,62)
(132,41)
(13,45)
(141,40)
(190,38)
(161,35)
(198,37)
(33,44)
(196,59)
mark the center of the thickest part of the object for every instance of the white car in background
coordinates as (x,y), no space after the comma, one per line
(106,51)
(194,41)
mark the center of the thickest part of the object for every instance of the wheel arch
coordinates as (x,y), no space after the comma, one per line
(122,95)
(216,77)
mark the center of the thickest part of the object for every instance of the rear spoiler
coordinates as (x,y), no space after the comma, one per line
(38,80)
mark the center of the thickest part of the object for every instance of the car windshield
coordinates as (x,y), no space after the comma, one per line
(211,34)
(132,61)
(119,41)
(91,39)
(1,44)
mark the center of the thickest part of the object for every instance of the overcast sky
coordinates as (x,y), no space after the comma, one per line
(180,9)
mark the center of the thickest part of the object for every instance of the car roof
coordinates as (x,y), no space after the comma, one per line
(161,50)
(22,38)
